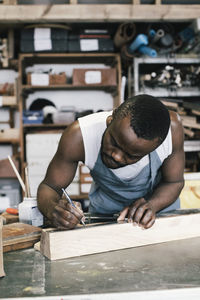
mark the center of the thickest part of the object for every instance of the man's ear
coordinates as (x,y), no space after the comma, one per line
(109,120)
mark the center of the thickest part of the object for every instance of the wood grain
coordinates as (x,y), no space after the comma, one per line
(19,236)
(89,240)
(97,12)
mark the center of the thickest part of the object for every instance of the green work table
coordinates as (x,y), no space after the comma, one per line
(171,268)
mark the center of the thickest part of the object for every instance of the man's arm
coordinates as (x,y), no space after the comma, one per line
(60,174)
(144,212)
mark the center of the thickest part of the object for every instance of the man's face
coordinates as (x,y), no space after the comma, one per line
(120,145)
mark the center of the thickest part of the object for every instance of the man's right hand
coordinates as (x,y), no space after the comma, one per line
(65,216)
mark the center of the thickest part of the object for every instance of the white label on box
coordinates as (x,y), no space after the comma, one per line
(85,187)
(42,45)
(1,100)
(89,44)
(92,77)
(88,179)
(85,169)
(42,33)
(39,79)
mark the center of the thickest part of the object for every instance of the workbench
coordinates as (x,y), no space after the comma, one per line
(163,271)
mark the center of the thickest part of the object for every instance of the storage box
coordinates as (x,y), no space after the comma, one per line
(43,79)
(44,39)
(65,115)
(85,188)
(10,188)
(9,134)
(77,44)
(97,77)
(33,116)
(85,178)
(8,100)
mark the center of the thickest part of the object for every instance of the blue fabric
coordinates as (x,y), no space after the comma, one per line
(109,194)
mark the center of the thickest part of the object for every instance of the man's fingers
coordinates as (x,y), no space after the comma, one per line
(64,217)
(149,224)
(134,209)
(123,214)
(74,210)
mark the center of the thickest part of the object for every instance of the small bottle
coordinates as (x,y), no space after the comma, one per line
(29,212)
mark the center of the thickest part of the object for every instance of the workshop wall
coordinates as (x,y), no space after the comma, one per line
(159,58)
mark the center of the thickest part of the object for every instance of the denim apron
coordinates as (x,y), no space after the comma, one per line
(109,194)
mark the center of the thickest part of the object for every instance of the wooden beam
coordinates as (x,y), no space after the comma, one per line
(97,13)
(19,236)
(10,2)
(89,240)
(73,1)
(2,273)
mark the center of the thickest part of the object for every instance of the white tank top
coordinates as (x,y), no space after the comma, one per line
(93,127)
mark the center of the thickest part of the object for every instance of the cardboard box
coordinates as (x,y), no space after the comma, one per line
(46,79)
(85,188)
(8,100)
(97,77)
(85,178)
(9,134)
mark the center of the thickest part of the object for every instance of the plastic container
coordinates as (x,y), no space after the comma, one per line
(29,212)
(4,202)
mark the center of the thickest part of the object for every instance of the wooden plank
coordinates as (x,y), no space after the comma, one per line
(10,2)
(9,100)
(74,2)
(2,273)
(8,218)
(19,236)
(89,240)
(97,12)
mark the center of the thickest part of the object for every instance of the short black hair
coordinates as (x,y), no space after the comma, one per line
(149,117)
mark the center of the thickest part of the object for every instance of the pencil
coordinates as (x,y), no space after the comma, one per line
(71,202)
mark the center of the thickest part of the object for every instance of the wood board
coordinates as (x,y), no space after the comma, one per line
(2,273)
(90,240)
(19,236)
(9,218)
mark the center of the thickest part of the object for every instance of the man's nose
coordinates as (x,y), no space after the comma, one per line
(117,155)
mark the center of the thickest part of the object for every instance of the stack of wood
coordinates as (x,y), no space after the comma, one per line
(190,116)
(4,57)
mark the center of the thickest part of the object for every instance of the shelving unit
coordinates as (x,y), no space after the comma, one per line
(10,135)
(144,66)
(90,61)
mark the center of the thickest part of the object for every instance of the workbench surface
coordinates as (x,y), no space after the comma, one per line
(167,266)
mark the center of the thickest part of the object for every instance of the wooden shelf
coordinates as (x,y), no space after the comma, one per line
(68,87)
(97,13)
(9,141)
(79,197)
(40,126)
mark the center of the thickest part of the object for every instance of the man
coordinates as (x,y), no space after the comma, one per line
(136,158)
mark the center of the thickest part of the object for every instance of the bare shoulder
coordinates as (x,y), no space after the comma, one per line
(71,143)
(177,130)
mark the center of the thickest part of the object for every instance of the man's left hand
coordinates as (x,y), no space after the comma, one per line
(141,213)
